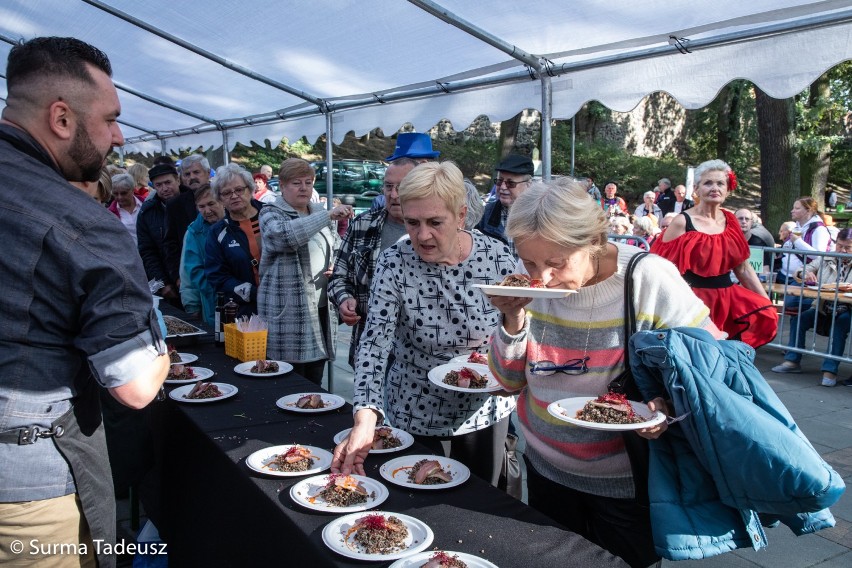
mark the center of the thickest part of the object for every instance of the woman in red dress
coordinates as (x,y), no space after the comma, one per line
(706,244)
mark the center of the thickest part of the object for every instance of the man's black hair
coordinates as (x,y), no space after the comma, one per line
(54,57)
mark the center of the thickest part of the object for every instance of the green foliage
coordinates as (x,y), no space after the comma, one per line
(607,162)
(473,157)
(254,156)
(735,107)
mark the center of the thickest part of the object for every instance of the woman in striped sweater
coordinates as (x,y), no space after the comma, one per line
(581,477)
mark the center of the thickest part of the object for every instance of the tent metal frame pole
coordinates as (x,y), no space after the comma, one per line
(573,141)
(163,149)
(203,52)
(329,193)
(524,74)
(445,15)
(546,128)
(226,155)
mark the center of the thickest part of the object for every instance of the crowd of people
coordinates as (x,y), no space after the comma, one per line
(401,275)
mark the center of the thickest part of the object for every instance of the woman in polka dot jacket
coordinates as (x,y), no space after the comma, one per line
(423,311)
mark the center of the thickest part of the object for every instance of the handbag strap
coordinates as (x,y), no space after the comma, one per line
(629,306)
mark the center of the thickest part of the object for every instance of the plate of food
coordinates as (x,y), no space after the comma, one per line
(385,439)
(442,559)
(464,377)
(290,460)
(521,286)
(475,357)
(202,392)
(176,358)
(425,472)
(263,368)
(377,536)
(337,493)
(310,402)
(832,287)
(180,374)
(606,412)
(176,327)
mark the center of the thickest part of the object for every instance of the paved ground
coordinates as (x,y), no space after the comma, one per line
(823,414)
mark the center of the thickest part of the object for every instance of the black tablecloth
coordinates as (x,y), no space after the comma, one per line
(215,511)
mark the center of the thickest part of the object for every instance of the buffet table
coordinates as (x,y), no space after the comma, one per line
(216,511)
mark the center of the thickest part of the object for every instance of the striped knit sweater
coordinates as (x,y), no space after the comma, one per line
(590,461)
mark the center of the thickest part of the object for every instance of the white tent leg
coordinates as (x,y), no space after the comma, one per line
(546,117)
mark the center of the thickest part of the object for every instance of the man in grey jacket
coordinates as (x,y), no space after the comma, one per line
(76,312)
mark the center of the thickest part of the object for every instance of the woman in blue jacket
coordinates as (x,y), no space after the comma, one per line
(233,246)
(196,292)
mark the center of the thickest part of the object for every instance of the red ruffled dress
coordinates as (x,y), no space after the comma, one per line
(705,261)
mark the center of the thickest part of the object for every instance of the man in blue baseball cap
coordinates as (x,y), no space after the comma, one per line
(415,145)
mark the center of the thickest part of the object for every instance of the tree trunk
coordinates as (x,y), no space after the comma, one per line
(723,119)
(779,166)
(508,136)
(816,159)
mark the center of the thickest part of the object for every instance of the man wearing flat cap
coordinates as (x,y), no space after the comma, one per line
(151,228)
(514,175)
(665,199)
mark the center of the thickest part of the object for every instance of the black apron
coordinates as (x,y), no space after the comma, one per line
(83,445)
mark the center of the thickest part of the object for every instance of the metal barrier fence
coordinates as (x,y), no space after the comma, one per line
(630,240)
(823,306)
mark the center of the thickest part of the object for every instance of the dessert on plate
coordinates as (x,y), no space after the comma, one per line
(610,408)
(378,534)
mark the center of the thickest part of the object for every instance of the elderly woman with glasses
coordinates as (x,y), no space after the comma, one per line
(573,347)
(233,247)
(423,311)
(299,240)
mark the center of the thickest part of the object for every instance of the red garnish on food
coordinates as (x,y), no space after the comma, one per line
(536,283)
(617,400)
(442,556)
(467,373)
(373,522)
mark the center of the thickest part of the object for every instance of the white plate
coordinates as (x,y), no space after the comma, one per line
(331,401)
(259,459)
(419,559)
(396,471)
(227,392)
(566,409)
(847,294)
(419,537)
(523,292)
(437,375)
(201,373)
(404,437)
(186,358)
(463,359)
(245,369)
(302,492)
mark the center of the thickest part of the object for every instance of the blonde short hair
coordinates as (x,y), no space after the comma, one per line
(562,213)
(139,173)
(434,179)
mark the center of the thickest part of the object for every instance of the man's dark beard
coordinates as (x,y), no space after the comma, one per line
(85,155)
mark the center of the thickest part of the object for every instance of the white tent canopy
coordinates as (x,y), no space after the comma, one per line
(207,73)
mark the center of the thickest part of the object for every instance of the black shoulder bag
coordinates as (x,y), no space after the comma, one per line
(635,445)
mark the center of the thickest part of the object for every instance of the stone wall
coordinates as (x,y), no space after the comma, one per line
(654,128)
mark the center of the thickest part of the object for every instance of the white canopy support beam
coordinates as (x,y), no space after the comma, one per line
(836,18)
(512,50)
(203,52)
(329,193)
